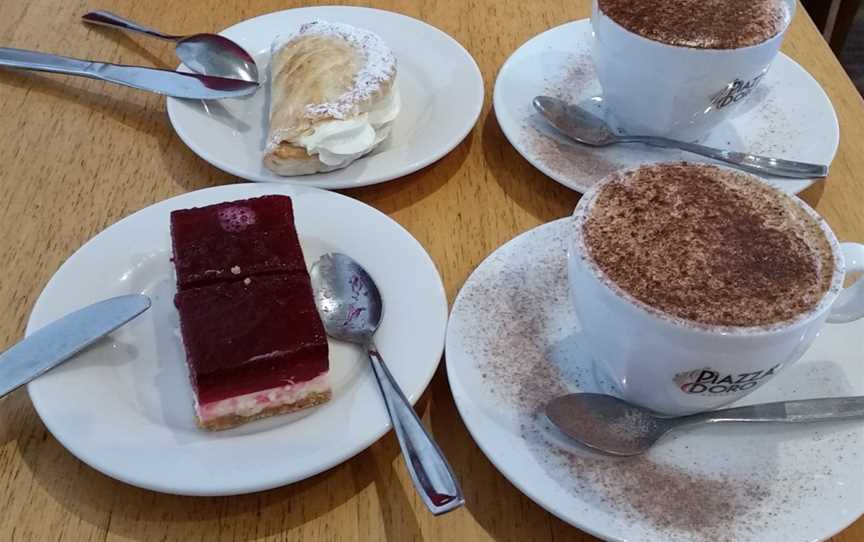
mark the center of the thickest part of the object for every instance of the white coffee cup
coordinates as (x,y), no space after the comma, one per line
(652,88)
(675,367)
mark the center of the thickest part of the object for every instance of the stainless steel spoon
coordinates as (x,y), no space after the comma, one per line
(616,427)
(350,306)
(207,54)
(582,126)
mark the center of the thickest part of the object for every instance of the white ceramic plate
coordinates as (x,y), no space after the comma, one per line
(440,85)
(789,115)
(513,343)
(124,407)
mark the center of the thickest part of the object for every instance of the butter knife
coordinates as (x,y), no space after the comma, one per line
(167,82)
(60,340)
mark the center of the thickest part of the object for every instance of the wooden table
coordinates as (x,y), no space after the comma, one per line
(77,155)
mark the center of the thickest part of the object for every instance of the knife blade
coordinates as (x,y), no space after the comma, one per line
(60,340)
(167,82)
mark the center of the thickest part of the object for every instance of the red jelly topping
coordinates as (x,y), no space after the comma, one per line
(242,338)
(233,240)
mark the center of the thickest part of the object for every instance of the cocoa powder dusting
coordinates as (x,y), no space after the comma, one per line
(668,497)
(579,164)
(709,245)
(576,75)
(567,159)
(512,338)
(704,24)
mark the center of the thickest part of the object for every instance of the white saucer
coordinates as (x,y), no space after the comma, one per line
(789,117)
(440,85)
(513,343)
(124,407)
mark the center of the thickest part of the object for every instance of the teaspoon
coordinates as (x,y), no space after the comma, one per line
(582,126)
(617,427)
(207,54)
(351,307)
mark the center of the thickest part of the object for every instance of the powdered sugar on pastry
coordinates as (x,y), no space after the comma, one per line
(333,98)
(378,66)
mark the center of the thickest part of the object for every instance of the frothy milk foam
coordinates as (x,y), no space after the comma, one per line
(705,24)
(709,245)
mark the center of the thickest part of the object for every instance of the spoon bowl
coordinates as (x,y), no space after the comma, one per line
(347,298)
(607,423)
(575,122)
(212,54)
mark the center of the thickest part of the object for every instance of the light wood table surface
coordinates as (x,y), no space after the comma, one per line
(77,155)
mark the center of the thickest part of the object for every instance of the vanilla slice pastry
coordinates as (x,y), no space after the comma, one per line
(332,98)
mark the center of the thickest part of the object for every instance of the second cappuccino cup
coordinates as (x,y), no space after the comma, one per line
(695,285)
(679,85)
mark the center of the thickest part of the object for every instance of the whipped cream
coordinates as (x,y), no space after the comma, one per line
(339,142)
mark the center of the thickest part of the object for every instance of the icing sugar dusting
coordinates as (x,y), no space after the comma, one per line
(378,66)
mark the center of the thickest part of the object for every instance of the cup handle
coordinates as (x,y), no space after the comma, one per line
(849,305)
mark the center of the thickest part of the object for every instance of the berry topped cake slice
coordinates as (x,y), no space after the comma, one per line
(255,345)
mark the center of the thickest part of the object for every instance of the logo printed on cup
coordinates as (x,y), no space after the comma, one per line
(708,381)
(736,91)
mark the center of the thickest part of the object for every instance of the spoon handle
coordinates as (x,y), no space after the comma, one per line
(753,163)
(106,18)
(429,470)
(809,410)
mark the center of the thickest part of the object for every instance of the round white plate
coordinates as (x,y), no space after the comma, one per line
(124,407)
(513,343)
(789,114)
(440,85)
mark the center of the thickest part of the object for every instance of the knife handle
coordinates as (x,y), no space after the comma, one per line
(44,62)
(167,82)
